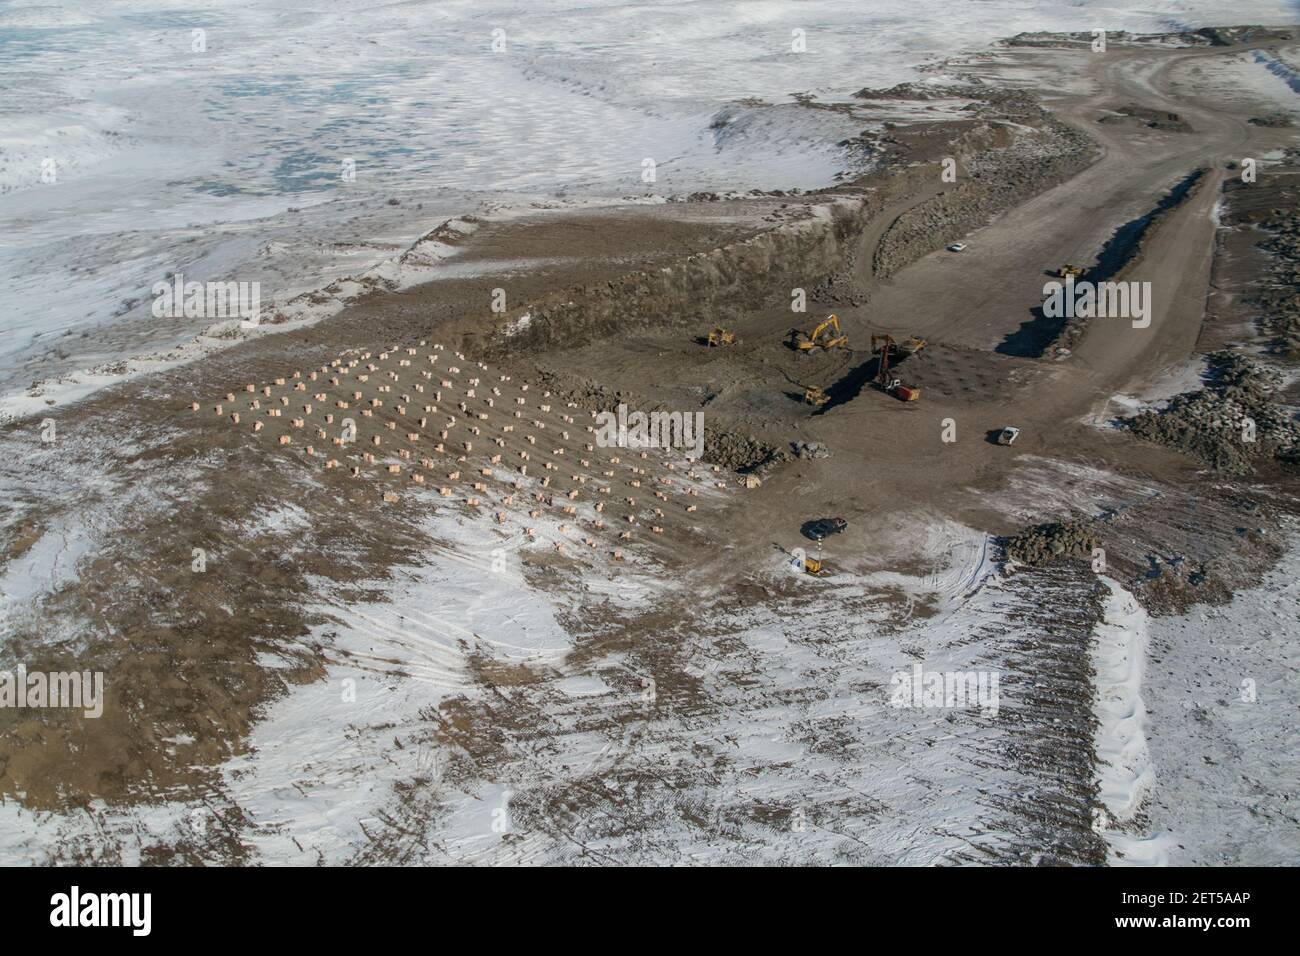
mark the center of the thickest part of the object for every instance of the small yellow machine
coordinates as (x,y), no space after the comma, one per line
(815,567)
(720,336)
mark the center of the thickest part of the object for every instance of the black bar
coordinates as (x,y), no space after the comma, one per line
(333,906)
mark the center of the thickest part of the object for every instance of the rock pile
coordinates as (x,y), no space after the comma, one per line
(741,452)
(1054,541)
(808,450)
(1231,423)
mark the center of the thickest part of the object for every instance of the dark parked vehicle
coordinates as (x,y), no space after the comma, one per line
(824,526)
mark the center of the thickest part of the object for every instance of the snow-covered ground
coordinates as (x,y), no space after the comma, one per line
(782,743)
(1126,775)
(786,746)
(1221,692)
(1256,82)
(141,138)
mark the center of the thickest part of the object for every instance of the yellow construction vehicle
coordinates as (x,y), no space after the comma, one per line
(911,346)
(815,396)
(720,336)
(1069,270)
(832,339)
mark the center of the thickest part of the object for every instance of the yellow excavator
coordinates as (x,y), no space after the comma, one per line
(720,336)
(1069,270)
(825,336)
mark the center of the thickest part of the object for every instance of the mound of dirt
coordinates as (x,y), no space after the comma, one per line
(1054,541)
(742,453)
(1232,423)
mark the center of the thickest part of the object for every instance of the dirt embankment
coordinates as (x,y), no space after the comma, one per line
(1004,164)
(1202,542)
(1272,206)
(998,169)
(695,291)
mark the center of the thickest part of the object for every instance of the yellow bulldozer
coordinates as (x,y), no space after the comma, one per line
(825,336)
(720,336)
(1069,270)
(910,346)
(815,396)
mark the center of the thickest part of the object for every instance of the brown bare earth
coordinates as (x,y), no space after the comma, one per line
(617,309)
